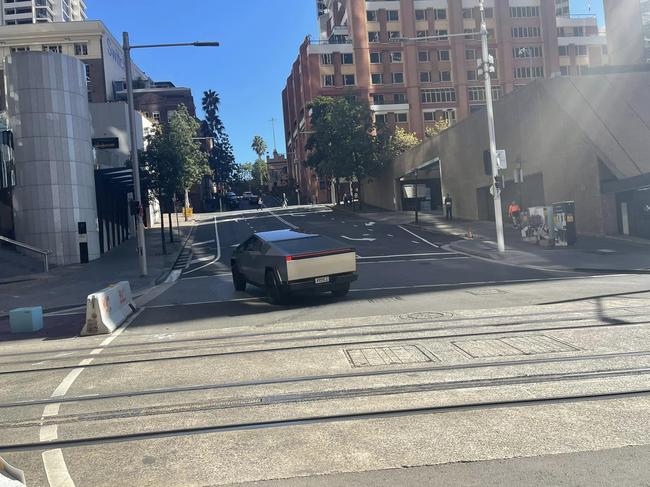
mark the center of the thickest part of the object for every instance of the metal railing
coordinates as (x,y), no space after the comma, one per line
(44,253)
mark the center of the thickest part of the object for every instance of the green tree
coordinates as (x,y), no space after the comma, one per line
(342,144)
(259,146)
(221,158)
(260,172)
(190,158)
(396,143)
(438,127)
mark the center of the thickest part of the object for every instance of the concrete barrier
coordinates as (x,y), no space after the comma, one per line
(11,476)
(107,309)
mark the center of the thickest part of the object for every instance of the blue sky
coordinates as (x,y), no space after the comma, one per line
(259,42)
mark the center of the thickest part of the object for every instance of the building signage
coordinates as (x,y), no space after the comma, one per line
(106,143)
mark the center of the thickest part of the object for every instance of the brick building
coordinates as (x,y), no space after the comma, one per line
(382,51)
(628,31)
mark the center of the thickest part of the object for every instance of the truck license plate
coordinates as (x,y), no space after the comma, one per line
(322,280)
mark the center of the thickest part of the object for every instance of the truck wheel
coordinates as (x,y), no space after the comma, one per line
(273,289)
(341,291)
(238,280)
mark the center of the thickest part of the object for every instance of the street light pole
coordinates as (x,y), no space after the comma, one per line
(498,216)
(142,249)
(139,224)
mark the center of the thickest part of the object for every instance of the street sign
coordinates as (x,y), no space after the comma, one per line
(502,162)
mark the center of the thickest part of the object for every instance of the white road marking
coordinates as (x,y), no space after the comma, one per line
(218,256)
(96,351)
(369,224)
(51,409)
(365,239)
(203,243)
(173,276)
(282,219)
(48,432)
(390,235)
(67,382)
(86,361)
(201,259)
(410,260)
(418,237)
(407,255)
(415,242)
(56,469)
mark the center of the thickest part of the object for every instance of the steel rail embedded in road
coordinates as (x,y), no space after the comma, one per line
(610,324)
(328,377)
(323,419)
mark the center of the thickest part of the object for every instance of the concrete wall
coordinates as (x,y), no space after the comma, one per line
(111,120)
(55,187)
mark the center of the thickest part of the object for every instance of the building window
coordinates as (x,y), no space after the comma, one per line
(441,95)
(469,34)
(423,56)
(470,54)
(327,80)
(525,32)
(444,76)
(396,57)
(53,48)
(81,49)
(398,78)
(170,114)
(443,55)
(421,33)
(468,13)
(348,80)
(471,75)
(394,35)
(156,116)
(489,13)
(527,52)
(519,12)
(377,78)
(399,98)
(528,72)
(401,117)
(582,50)
(429,116)
(325,59)
(564,70)
(393,15)
(563,51)
(442,34)
(87,69)
(375,57)
(579,31)
(477,93)
(371,15)
(347,58)
(425,77)
(373,36)
(380,118)
(20,49)
(420,14)
(378,99)
(440,13)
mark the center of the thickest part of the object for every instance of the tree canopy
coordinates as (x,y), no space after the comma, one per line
(259,146)
(221,158)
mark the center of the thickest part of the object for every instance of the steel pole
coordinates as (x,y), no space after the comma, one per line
(498,216)
(139,224)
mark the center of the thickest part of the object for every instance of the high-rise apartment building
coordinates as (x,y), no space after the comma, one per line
(628,31)
(407,59)
(17,12)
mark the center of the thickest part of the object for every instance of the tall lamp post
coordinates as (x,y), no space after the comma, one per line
(142,250)
(487,67)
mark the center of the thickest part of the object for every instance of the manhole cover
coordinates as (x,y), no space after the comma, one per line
(424,315)
(522,345)
(389,355)
(486,292)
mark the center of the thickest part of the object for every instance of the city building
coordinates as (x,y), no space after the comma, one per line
(159,100)
(20,12)
(628,31)
(415,62)
(89,41)
(562,8)
(278,172)
(590,147)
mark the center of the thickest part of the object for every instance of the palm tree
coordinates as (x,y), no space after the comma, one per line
(259,147)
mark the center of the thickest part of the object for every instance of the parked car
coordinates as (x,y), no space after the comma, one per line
(287,261)
(246,195)
(231,201)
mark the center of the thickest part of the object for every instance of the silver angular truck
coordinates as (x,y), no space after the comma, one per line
(284,262)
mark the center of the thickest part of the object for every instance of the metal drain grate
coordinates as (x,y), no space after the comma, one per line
(521,345)
(389,355)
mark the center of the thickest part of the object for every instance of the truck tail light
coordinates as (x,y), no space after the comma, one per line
(288,258)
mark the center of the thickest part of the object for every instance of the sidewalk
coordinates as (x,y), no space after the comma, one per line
(65,287)
(590,254)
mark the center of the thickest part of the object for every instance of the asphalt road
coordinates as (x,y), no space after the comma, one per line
(434,358)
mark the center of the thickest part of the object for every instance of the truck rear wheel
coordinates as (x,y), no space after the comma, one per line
(274,289)
(341,290)
(238,280)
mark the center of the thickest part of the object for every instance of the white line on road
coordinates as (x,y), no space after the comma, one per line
(365,239)
(282,219)
(48,432)
(411,260)
(218,256)
(51,410)
(56,470)
(418,237)
(203,243)
(407,255)
(67,382)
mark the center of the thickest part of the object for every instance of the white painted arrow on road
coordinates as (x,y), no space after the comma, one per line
(359,239)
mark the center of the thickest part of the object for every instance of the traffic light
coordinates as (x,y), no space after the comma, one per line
(499,182)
